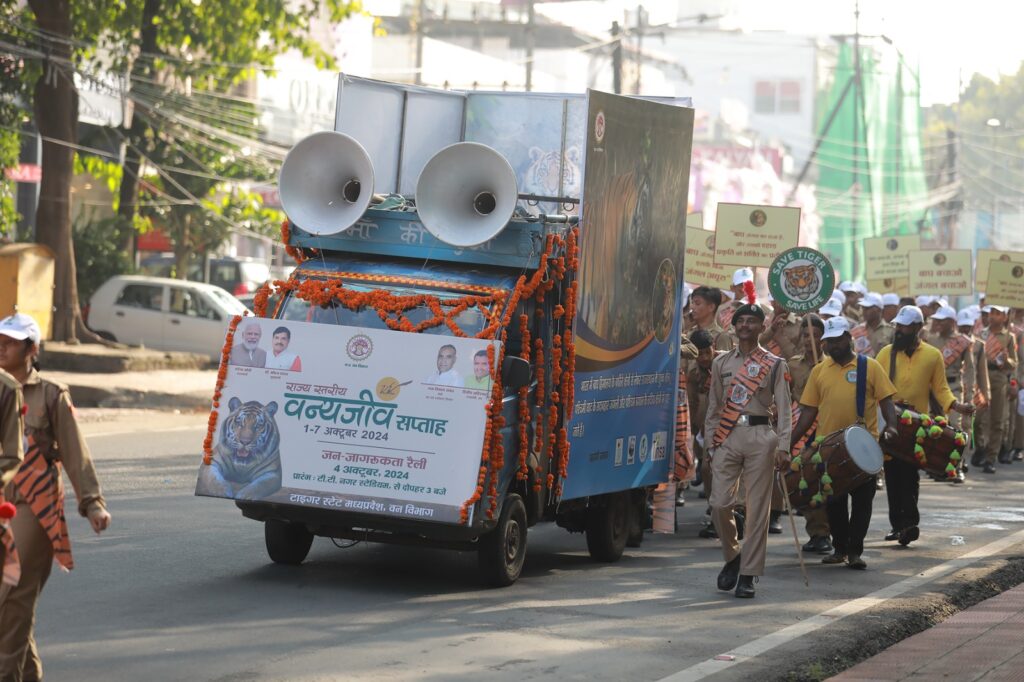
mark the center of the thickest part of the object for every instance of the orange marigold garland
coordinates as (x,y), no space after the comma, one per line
(222,373)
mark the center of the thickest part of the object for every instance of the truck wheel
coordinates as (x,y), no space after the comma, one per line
(287,543)
(502,551)
(608,527)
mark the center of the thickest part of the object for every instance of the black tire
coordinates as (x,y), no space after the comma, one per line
(502,552)
(287,543)
(640,518)
(608,527)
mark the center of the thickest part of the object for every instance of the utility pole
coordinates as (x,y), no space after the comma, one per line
(641,21)
(421,14)
(616,58)
(530,18)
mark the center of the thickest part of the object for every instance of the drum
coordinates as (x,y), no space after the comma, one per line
(833,465)
(927,442)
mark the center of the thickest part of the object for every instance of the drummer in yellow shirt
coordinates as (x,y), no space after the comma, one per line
(919,373)
(831,396)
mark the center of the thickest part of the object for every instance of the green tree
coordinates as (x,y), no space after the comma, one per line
(162,43)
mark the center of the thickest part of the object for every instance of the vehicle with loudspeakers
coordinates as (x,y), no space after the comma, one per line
(482,333)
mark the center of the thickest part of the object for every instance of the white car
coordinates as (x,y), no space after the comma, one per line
(163,314)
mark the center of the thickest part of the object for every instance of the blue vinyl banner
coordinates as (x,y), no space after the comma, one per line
(632,245)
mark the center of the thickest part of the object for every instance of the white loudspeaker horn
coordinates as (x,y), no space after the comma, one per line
(326,183)
(466,194)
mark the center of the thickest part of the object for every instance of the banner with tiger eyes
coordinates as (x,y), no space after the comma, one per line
(354,419)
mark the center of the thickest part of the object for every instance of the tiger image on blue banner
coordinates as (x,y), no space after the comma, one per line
(247,459)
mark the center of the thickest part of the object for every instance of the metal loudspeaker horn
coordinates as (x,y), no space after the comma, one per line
(466,194)
(326,183)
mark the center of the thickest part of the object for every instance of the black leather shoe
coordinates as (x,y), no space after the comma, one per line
(730,572)
(818,545)
(893,535)
(908,535)
(989,468)
(978,457)
(834,558)
(774,525)
(1005,457)
(708,532)
(856,563)
(745,587)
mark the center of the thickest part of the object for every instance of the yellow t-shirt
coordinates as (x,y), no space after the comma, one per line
(922,372)
(832,388)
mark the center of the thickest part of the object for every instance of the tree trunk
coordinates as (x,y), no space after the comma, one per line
(181,247)
(129,190)
(56,109)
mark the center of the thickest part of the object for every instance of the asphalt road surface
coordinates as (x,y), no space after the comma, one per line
(181,588)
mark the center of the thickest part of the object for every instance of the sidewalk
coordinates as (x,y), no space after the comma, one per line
(984,642)
(166,389)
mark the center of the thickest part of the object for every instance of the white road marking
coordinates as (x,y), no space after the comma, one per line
(759,646)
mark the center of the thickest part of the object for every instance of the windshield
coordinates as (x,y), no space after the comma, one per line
(470,321)
(229,302)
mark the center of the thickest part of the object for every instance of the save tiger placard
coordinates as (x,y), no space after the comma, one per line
(753,235)
(1005,283)
(700,266)
(350,419)
(946,273)
(886,257)
(986,256)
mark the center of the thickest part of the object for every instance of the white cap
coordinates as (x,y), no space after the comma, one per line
(727,294)
(836,327)
(838,297)
(1000,308)
(942,301)
(944,313)
(974,309)
(742,275)
(890,299)
(832,308)
(860,288)
(19,327)
(964,318)
(847,286)
(923,300)
(986,309)
(909,314)
(871,300)
(687,290)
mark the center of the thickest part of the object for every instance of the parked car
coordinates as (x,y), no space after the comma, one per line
(237,276)
(163,314)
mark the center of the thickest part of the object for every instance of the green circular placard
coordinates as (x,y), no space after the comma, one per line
(801,279)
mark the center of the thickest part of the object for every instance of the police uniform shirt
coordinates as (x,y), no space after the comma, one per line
(772,393)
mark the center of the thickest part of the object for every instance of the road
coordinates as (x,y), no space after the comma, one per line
(180,588)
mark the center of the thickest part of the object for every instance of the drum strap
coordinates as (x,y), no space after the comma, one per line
(862,385)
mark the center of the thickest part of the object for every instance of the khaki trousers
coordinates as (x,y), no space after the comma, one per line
(747,453)
(19,657)
(996,416)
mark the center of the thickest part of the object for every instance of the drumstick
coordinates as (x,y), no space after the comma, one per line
(780,480)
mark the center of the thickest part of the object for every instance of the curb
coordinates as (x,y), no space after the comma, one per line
(862,638)
(95,396)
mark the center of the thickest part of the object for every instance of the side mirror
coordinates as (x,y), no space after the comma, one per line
(515,372)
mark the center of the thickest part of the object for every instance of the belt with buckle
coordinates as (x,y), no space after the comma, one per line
(752,420)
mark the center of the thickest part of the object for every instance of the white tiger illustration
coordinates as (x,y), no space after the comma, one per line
(247,460)
(541,176)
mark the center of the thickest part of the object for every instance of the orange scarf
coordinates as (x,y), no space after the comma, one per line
(744,384)
(683,455)
(39,482)
(956,346)
(994,347)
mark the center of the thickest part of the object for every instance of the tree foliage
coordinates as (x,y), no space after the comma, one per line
(169,50)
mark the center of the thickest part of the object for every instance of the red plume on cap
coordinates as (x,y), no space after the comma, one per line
(750,292)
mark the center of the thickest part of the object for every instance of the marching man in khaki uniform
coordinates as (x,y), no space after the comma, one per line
(11,454)
(748,385)
(1001,356)
(874,333)
(40,530)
